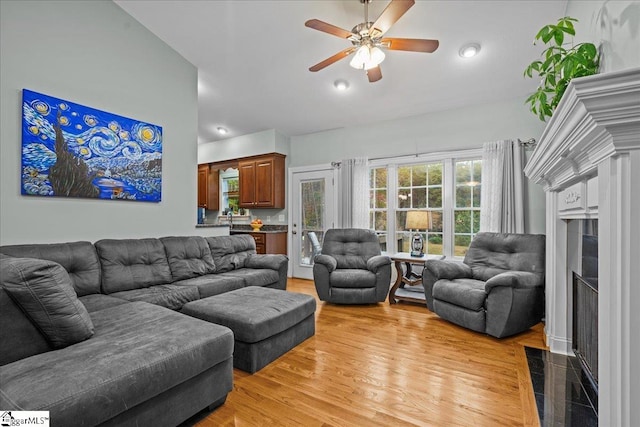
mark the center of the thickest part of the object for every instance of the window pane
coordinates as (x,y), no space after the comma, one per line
(381,178)
(477,170)
(436,221)
(435,174)
(463,172)
(463,196)
(434,244)
(462,220)
(380,221)
(476,196)
(401,217)
(404,199)
(419,175)
(404,176)
(435,197)
(461,244)
(476,221)
(381,199)
(419,198)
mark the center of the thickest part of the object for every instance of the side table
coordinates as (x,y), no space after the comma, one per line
(415,292)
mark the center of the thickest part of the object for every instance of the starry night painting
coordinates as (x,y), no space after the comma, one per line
(69,150)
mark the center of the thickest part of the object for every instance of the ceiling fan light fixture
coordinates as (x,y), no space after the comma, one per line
(469,50)
(367,57)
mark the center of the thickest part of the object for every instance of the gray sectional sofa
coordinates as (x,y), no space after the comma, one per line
(93,332)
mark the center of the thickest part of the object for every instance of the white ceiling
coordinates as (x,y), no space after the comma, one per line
(253,58)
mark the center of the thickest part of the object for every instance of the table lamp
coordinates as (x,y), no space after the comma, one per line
(418,220)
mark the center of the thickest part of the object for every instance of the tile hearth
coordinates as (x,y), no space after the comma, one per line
(564,396)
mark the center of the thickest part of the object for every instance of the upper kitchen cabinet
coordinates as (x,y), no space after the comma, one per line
(262,181)
(208,192)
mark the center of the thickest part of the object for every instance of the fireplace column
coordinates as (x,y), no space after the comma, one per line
(619,318)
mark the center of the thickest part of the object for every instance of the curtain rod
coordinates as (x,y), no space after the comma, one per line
(531,142)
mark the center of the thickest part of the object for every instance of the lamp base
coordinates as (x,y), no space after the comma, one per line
(417,245)
(418,254)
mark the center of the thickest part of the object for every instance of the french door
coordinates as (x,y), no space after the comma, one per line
(313,210)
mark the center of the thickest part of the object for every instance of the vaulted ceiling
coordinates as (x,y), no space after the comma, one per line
(253,58)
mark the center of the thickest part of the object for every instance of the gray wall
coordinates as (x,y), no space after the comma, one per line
(95,54)
(614,26)
(457,129)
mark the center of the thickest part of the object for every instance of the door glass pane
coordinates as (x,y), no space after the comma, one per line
(312,195)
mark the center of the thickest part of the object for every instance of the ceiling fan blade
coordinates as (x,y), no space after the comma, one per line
(316,24)
(389,16)
(374,74)
(335,58)
(412,45)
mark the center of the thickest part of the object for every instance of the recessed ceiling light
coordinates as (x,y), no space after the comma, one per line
(222,131)
(469,50)
(341,85)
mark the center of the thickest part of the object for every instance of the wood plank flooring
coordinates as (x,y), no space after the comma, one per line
(386,365)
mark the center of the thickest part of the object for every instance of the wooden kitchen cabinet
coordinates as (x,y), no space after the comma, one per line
(208,188)
(270,243)
(262,181)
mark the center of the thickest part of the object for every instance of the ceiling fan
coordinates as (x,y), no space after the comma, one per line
(367,39)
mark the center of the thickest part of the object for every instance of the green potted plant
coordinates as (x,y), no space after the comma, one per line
(559,65)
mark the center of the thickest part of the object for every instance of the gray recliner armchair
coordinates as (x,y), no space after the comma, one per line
(498,289)
(351,269)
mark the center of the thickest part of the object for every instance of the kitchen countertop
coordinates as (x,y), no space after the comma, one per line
(211,225)
(236,231)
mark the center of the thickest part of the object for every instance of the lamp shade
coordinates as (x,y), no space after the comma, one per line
(418,220)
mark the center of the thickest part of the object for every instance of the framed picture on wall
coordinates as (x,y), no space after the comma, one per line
(70,150)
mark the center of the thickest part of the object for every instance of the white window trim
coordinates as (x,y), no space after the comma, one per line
(448,158)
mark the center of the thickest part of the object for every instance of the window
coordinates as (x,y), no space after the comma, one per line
(447,187)
(466,215)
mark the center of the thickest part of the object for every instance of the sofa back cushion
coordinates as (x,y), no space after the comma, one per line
(44,292)
(351,247)
(231,252)
(19,336)
(188,257)
(132,264)
(78,258)
(493,253)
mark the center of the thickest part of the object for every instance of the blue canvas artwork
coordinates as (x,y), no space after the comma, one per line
(69,150)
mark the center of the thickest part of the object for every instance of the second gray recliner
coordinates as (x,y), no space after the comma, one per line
(351,269)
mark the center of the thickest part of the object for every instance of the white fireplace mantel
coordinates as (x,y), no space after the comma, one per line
(588,161)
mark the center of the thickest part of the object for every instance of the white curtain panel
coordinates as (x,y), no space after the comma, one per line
(502,195)
(354,179)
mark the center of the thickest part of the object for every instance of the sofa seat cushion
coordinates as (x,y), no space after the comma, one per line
(169,296)
(139,350)
(353,278)
(43,290)
(467,293)
(97,302)
(132,264)
(212,284)
(188,256)
(254,276)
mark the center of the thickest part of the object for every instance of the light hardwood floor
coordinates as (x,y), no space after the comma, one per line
(386,365)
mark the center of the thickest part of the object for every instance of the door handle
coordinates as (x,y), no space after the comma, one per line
(294,232)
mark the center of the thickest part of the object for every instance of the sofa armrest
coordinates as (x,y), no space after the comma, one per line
(442,269)
(270,261)
(375,262)
(514,279)
(326,260)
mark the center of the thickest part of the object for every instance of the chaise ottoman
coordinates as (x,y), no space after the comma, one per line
(266,323)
